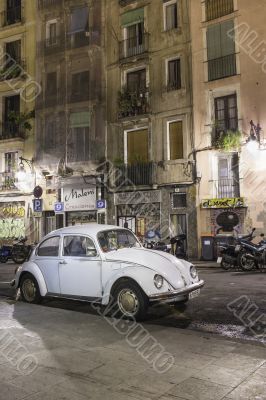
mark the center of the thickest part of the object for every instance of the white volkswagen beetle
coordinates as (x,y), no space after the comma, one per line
(105,263)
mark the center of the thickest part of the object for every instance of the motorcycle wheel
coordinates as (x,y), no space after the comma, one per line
(19,257)
(246,263)
(226,265)
(3,259)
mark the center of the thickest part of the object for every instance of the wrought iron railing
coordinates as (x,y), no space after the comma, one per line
(11,130)
(13,69)
(49,3)
(139,174)
(133,103)
(8,180)
(222,67)
(218,8)
(78,39)
(227,188)
(133,46)
(11,16)
(123,3)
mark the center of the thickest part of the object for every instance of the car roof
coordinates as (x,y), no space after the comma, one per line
(89,229)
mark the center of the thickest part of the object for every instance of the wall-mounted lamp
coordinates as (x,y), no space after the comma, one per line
(25,180)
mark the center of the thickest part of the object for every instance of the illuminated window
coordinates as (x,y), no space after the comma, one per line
(175,140)
(137,146)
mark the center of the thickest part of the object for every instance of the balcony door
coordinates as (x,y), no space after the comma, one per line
(12,109)
(136,81)
(137,146)
(134,39)
(228,176)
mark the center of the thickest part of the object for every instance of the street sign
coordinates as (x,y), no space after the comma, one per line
(37,214)
(37,205)
(37,191)
(59,207)
(101,204)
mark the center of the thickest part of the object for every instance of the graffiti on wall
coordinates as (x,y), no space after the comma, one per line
(12,223)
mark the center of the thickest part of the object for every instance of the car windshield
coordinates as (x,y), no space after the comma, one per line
(117,239)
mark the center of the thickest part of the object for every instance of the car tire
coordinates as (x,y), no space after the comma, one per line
(29,289)
(130,301)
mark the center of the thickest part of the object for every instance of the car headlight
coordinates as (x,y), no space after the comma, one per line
(158,281)
(193,272)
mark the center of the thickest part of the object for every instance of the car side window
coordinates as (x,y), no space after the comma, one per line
(49,247)
(78,246)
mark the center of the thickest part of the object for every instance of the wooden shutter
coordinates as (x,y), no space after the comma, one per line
(137,146)
(227,44)
(214,42)
(176,140)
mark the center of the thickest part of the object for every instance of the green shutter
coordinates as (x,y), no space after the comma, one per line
(80,119)
(132,17)
(227,44)
(214,42)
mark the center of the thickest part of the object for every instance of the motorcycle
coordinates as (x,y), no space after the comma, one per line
(252,256)
(229,254)
(178,246)
(21,251)
(161,246)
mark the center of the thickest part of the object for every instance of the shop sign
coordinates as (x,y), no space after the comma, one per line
(37,214)
(139,197)
(223,203)
(79,199)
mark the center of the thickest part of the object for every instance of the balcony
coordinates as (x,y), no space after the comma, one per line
(14,69)
(8,181)
(131,104)
(52,45)
(78,39)
(123,3)
(227,188)
(42,4)
(11,130)
(11,16)
(132,48)
(222,67)
(218,8)
(139,174)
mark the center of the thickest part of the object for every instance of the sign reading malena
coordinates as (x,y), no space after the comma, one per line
(78,199)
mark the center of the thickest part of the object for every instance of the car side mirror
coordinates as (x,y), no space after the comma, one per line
(91,252)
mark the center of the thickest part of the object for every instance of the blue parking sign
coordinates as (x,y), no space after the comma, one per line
(59,207)
(37,205)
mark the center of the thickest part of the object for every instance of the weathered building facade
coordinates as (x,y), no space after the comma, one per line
(70,115)
(18,90)
(228,53)
(149,117)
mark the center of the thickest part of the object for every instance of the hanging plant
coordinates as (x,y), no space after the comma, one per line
(22,119)
(229,141)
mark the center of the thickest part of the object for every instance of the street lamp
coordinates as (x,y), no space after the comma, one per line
(25,180)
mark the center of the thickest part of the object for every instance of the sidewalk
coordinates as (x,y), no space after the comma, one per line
(79,356)
(206,264)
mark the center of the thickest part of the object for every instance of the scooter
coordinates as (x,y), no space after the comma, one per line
(178,246)
(230,253)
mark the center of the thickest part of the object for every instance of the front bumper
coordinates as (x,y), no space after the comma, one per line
(176,293)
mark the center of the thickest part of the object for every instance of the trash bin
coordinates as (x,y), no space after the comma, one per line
(207,248)
(223,239)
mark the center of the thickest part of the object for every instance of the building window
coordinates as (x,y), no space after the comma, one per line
(12,65)
(11,111)
(137,146)
(51,33)
(226,118)
(218,8)
(136,81)
(134,39)
(179,200)
(50,134)
(79,25)
(80,86)
(174,74)
(221,51)
(175,140)
(170,15)
(78,144)
(13,12)
(227,185)
(11,166)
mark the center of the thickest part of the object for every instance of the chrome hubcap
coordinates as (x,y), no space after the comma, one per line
(29,290)
(128,302)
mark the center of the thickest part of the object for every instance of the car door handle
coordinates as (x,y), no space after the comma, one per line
(62,262)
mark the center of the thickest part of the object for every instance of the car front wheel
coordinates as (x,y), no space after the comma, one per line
(29,287)
(130,301)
